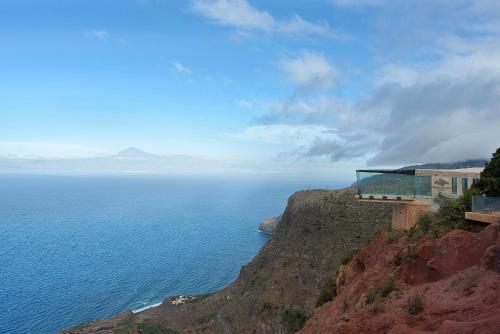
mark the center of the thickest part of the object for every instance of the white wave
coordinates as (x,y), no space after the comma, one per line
(145,307)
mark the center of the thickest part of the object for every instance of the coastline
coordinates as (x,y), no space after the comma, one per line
(298,244)
(146,307)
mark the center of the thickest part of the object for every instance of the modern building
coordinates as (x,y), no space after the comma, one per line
(413,191)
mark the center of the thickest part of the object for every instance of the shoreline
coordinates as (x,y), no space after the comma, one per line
(146,307)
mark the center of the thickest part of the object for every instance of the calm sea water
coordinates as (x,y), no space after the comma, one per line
(73,249)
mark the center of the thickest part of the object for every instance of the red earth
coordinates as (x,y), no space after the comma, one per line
(445,285)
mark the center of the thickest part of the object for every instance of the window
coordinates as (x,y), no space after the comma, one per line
(453,185)
(465,184)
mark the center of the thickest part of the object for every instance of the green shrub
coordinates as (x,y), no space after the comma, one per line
(206,319)
(147,328)
(377,308)
(450,216)
(411,251)
(371,295)
(386,287)
(392,236)
(267,306)
(414,304)
(489,183)
(327,292)
(348,256)
(382,290)
(425,223)
(398,260)
(294,320)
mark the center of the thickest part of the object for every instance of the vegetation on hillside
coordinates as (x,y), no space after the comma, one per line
(347,257)
(450,216)
(294,320)
(489,183)
(382,290)
(147,328)
(327,292)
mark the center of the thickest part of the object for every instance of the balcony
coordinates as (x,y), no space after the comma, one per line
(485,204)
(484,210)
(393,184)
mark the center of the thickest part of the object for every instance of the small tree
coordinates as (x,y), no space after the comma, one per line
(489,183)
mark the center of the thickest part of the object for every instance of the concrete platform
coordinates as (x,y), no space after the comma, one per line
(487,218)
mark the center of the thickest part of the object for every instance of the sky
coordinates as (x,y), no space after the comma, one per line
(317,85)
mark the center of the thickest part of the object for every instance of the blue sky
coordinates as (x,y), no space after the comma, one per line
(317,84)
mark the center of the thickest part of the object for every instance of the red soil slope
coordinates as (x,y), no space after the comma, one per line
(456,278)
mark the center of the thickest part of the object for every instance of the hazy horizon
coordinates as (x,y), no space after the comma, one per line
(315,88)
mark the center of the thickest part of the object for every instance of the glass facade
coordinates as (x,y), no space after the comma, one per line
(485,204)
(465,184)
(393,184)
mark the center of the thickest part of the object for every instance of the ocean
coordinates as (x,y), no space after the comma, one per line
(78,248)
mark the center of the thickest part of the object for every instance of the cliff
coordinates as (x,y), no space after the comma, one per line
(445,285)
(278,289)
(269,225)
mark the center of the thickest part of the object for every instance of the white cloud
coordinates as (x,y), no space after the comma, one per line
(241,15)
(101,35)
(181,68)
(237,13)
(286,133)
(441,112)
(434,96)
(310,70)
(396,74)
(244,104)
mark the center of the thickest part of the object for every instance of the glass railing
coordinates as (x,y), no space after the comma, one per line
(485,204)
(393,184)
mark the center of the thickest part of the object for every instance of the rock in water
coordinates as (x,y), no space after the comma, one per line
(269,225)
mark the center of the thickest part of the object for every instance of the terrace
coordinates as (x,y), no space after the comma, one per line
(484,210)
(400,184)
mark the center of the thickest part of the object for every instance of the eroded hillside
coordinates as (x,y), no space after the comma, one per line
(445,285)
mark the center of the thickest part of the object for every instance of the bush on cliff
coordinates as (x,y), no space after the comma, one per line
(148,328)
(382,290)
(451,215)
(348,256)
(414,304)
(327,292)
(294,320)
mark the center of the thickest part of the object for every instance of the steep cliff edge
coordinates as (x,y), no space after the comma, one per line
(270,224)
(281,284)
(445,285)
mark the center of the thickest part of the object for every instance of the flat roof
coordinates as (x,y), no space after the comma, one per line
(471,170)
(388,171)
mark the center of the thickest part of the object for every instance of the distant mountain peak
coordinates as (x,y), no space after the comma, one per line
(133,152)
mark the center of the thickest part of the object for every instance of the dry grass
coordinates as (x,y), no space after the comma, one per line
(415,304)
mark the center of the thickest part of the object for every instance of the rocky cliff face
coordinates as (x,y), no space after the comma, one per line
(269,225)
(316,230)
(281,284)
(445,285)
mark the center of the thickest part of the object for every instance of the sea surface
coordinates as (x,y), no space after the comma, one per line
(77,248)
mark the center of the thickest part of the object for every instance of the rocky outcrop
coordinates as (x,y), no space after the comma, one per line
(270,224)
(316,230)
(445,285)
